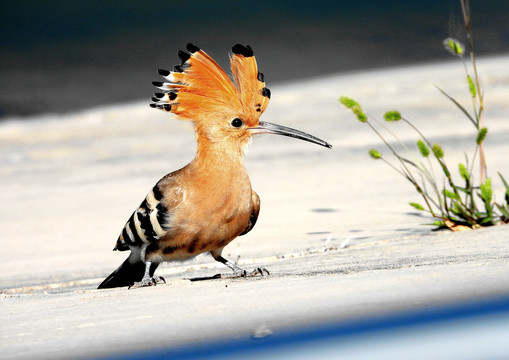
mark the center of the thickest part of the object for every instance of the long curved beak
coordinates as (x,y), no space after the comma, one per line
(270,128)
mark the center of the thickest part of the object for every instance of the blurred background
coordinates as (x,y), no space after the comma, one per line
(61,56)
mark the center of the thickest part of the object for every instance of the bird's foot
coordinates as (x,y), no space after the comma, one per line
(243,273)
(259,271)
(148,281)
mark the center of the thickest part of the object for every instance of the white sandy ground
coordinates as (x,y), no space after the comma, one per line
(335,228)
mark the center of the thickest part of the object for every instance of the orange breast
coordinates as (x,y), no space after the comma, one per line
(214,211)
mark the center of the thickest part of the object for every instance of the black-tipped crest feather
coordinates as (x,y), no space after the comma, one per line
(183,56)
(244,50)
(192,48)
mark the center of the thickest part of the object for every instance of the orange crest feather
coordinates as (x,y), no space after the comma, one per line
(199,89)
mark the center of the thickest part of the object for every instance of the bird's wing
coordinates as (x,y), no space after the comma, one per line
(254,213)
(150,221)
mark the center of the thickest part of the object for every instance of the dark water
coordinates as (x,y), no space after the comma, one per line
(66,55)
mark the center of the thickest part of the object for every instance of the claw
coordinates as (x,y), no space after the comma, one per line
(242,273)
(148,281)
(259,271)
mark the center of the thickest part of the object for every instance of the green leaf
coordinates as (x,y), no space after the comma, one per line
(438,223)
(445,169)
(455,209)
(486,196)
(417,206)
(454,47)
(375,154)
(392,116)
(503,180)
(464,172)
(423,148)
(481,214)
(471,86)
(459,210)
(486,191)
(450,194)
(506,188)
(504,210)
(459,106)
(481,135)
(437,150)
(349,103)
(489,208)
(487,220)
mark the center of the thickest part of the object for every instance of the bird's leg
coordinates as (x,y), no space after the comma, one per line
(237,271)
(147,279)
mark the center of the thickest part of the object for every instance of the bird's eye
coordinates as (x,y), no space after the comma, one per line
(237,122)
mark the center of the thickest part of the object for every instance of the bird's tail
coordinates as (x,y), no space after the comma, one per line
(131,271)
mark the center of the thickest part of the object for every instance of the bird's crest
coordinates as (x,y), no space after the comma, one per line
(199,87)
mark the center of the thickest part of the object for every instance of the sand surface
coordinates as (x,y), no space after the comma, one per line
(335,228)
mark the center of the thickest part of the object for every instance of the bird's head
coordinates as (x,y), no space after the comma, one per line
(224,110)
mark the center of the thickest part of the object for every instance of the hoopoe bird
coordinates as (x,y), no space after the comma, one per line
(202,207)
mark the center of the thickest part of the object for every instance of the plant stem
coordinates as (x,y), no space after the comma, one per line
(407,173)
(465,7)
(446,171)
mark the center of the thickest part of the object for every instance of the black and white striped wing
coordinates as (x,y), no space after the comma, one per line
(147,224)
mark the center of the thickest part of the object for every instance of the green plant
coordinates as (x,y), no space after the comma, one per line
(453,206)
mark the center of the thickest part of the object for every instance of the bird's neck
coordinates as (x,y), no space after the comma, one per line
(218,159)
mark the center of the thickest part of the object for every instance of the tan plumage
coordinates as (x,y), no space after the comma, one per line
(208,203)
